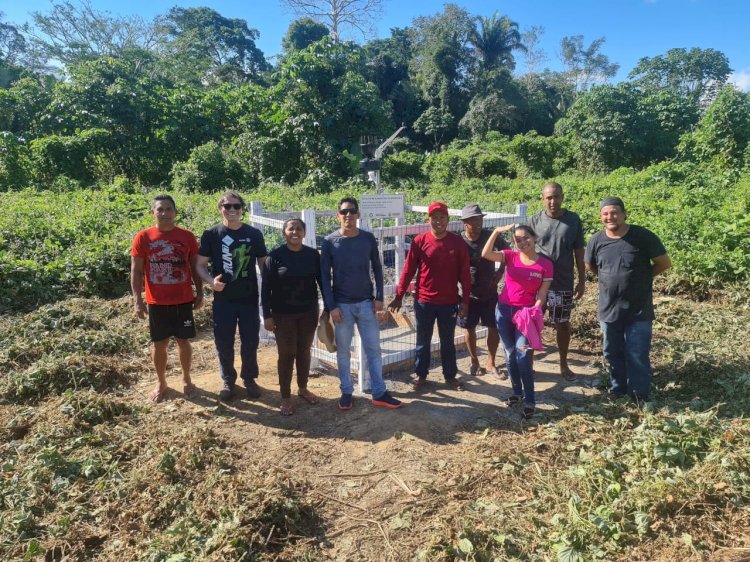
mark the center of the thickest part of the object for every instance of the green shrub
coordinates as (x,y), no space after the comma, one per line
(14,163)
(531,155)
(403,165)
(71,156)
(722,136)
(209,168)
(461,160)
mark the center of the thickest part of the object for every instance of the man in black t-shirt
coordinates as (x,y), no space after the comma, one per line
(233,247)
(560,238)
(626,258)
(484,280)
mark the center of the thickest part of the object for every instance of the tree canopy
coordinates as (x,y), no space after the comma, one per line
(189,98)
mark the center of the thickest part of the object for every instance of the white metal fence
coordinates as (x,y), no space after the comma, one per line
(398,339)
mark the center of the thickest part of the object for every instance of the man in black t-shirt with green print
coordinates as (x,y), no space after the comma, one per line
(232,247)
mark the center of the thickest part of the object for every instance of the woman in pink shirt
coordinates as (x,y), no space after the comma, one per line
(528,276)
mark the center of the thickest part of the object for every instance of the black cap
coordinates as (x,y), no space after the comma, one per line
(612,200)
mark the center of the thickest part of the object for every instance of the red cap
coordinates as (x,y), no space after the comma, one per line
(437,207)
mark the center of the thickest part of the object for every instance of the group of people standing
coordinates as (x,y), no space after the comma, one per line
(457,279)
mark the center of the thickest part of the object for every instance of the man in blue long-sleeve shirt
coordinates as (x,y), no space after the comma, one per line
(347,258)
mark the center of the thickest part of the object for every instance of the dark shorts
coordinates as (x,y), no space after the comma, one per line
(165,321)
(479,311)
(559,306)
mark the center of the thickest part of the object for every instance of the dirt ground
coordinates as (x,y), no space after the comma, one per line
(369,464)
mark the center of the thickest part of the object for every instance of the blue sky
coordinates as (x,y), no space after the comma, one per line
(632,28)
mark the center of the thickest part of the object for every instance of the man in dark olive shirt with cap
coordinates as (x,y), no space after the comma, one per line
(626,258)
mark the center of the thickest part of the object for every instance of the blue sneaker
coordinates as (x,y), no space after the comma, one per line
(387,401)
(345,402)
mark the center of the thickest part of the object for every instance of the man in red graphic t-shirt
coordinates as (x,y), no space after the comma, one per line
(442,259)
(163,258)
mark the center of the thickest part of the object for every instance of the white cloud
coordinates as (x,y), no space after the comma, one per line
(741,79)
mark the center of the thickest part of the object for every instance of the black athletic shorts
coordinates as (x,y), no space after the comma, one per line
(165,321)
(479,311)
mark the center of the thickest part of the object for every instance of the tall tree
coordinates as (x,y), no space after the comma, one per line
(534,56)
(210,48)
(340,16)
(12,43)
(697,74)
(494,39)
(388,66)
(441,66)
(586,65)
(12,48)
(301,33)
(73,32)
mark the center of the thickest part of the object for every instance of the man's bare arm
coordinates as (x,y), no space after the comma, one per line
(661,264)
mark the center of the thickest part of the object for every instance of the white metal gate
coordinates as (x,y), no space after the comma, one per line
(398,343)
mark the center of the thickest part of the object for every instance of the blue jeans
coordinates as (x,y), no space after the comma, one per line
(427,314)
(361,314)
(627,346)
(227,316)
(517,354)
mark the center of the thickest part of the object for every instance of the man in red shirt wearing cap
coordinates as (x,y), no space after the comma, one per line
(442,259)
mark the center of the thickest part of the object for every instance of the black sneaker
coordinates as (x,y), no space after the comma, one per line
(226,393)
(252,389)
(387,401)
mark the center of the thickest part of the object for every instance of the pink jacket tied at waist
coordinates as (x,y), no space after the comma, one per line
(530,322)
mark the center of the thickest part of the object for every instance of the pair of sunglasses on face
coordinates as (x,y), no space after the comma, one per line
(235,206)
(348,211)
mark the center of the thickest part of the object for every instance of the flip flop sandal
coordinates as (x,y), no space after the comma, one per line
(474,370)
(512,401)
(188,390)
(454,384)
(286,409)
(309,398)
(419,384)
(157,397)
(481,371)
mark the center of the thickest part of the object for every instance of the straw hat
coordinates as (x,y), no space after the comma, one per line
(326,334)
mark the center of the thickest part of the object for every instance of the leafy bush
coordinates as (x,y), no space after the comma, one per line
(536,156)
(462,161)
(723,134)
(14,163)
(209,168)
(402,165)
(71,156)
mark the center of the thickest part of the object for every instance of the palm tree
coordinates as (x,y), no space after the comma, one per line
(494,39)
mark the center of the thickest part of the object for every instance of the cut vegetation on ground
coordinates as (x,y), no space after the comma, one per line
(91,471)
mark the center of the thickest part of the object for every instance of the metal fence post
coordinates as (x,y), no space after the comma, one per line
(308,217)
(521,210)
(256,208)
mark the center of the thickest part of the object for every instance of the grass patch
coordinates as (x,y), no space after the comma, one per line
(94,478)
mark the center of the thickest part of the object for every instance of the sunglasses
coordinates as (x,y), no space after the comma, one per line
(235,206)
(348,211)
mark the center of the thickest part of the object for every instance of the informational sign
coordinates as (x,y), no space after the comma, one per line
(382,206)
